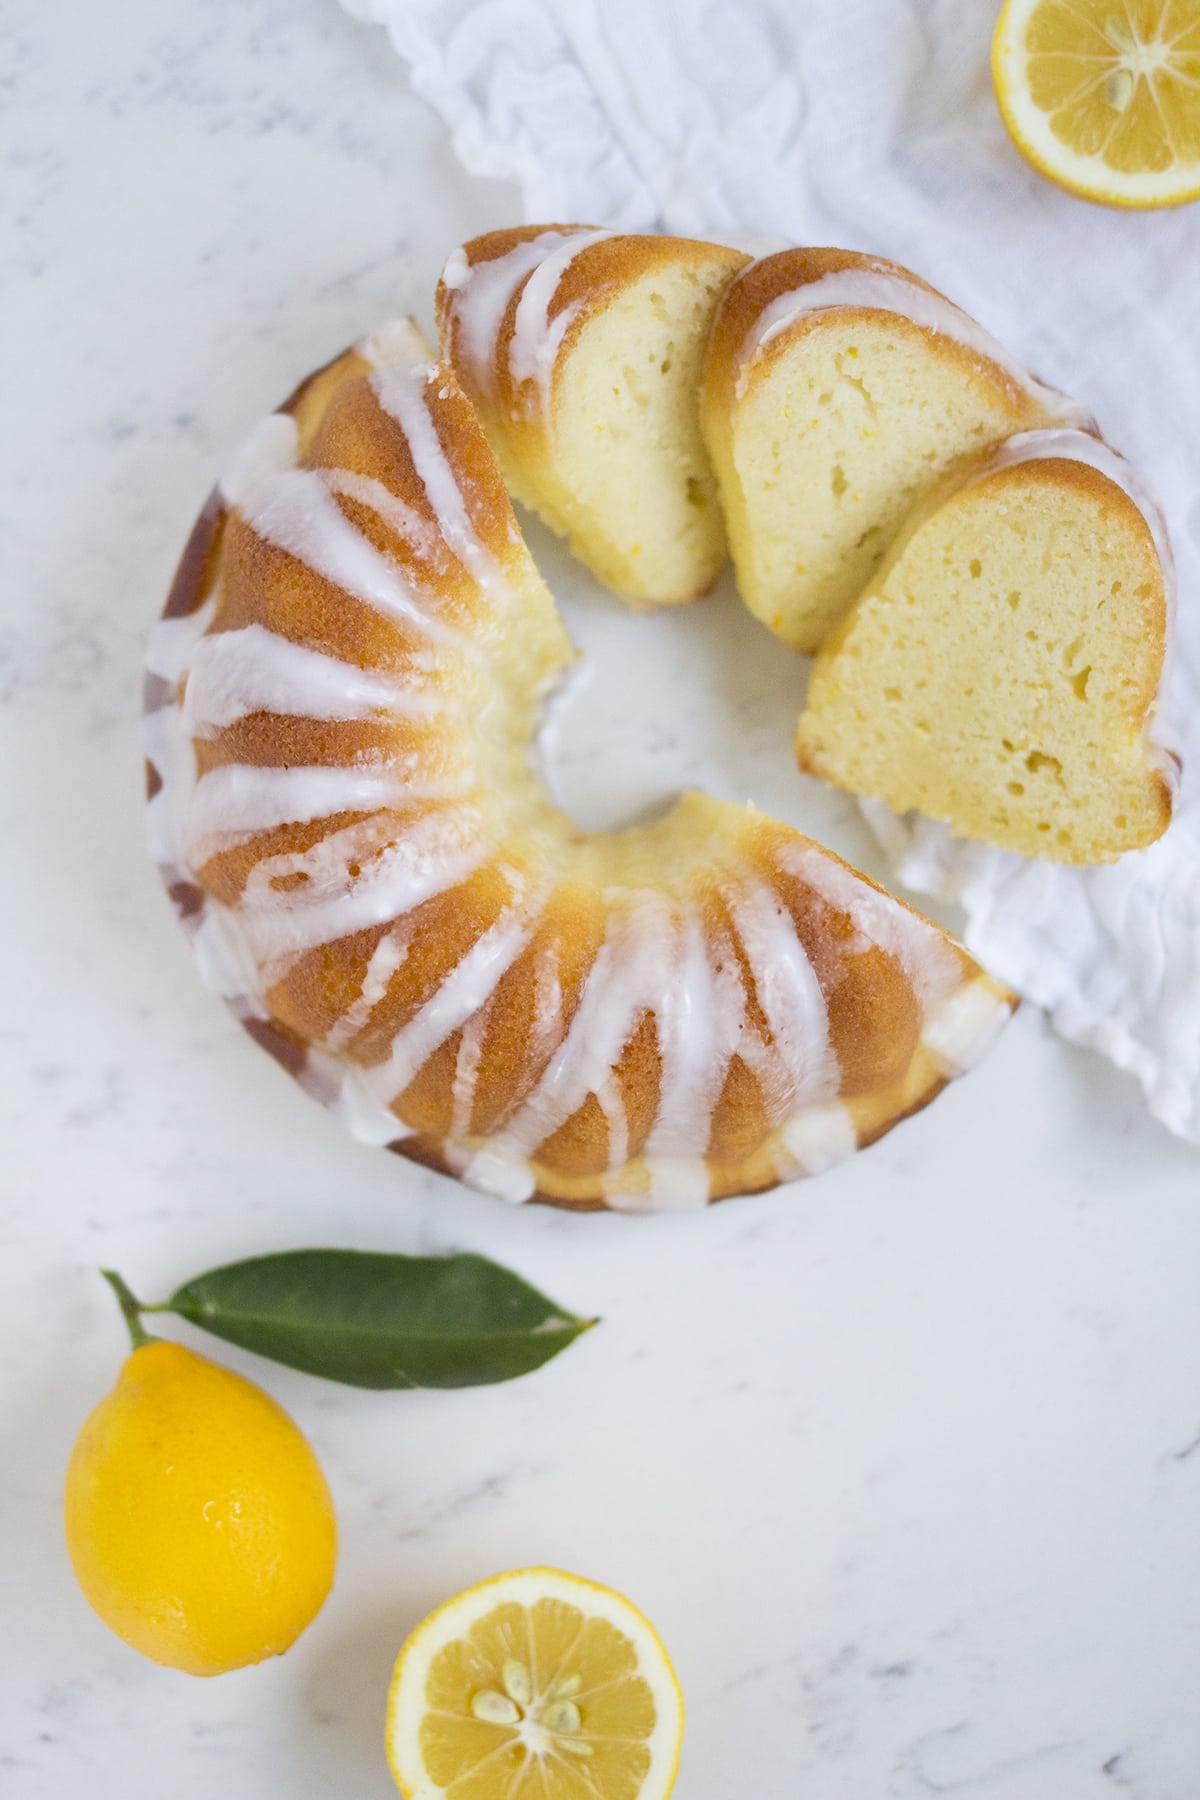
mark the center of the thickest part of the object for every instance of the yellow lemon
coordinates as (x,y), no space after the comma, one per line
(198,1520)
(1103,96)
(535,1686)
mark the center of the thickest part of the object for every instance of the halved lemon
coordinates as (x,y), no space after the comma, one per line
(535,1686)
(1103,96)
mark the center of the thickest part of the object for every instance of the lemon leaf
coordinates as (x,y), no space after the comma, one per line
(374,1320)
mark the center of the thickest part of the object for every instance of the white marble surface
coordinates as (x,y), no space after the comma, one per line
(905,1463)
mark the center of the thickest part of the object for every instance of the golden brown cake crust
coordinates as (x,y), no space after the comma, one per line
(348,679)
(582,351)
(592,279)
(748,889)
(771,277)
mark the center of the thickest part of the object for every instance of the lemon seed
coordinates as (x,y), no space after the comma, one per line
(494,1708)
(1118,89)
(517,1683)
(562,1715)
(566,1687)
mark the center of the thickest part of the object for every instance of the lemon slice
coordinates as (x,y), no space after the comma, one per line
(535,1686)
(1103,96)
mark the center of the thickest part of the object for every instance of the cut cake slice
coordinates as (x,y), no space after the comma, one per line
(838,389)
(582,351)
(1002,670)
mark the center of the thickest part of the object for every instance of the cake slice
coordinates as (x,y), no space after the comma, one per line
(838,389)
(582,351)
(1001,672)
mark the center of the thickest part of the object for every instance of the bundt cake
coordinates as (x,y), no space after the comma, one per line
(837,389)
(341,705)
(1001,670)
(582,352)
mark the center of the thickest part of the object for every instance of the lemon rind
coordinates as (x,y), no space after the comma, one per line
(524,1587)
(1088,177)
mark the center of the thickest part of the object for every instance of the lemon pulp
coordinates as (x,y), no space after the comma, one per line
(1104,95)
(537,1684)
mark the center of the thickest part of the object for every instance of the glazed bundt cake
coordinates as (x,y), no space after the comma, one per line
(837,389)
(1001,671)
(582,352)
(349,677)
(343,696)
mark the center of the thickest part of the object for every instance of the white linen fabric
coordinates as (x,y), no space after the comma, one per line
(872,124)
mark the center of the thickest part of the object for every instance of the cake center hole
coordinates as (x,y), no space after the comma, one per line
(697,696)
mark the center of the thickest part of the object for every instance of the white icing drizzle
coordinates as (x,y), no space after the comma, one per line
(547,1026)
(698,1028)
(388,955)
(1085,447)
(294,510)
(507,1178)
(655,959)
(763,1058)
(922,951)
(468,985)
(631,974)
(536,338)
(658,955)
(701,1026)
(234,674)
(399,341)
(396,872)
(167,745)
(815,1140)
(480,294)
(965,1026)
(788,992)
(234,803)
(168,749)
(362,1112)
(224,963)
(466,1071)
(457,271)
(771,1072)
(404,520)
(674,1184)
(612,1104)
(269,449)
(402,392)
(173,642)
(877,287)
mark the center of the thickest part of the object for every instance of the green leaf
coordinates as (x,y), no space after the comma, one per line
(380,1321)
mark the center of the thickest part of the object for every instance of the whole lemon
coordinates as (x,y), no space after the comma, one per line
(198,1520)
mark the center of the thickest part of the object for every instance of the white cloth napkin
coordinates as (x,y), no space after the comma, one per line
(871,124)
